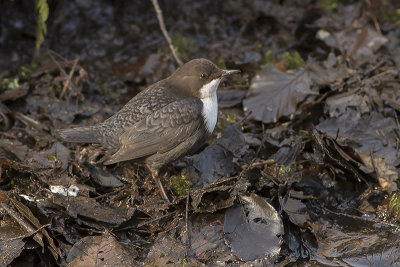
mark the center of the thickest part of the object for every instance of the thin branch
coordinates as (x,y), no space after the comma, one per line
(69,78)
(188,243)
(29,234)
(164,31)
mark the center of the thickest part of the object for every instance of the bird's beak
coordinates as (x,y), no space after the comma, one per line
(229,72)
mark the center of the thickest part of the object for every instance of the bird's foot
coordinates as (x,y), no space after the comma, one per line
(156,177)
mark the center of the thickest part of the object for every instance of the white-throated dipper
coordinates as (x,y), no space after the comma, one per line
(167,120)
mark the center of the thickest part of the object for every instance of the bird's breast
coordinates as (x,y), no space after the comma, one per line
(210,111)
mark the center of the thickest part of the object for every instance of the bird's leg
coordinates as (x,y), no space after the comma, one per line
(155,175)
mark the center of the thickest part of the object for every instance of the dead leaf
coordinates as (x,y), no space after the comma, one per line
(274,94)
(360,44)
(100,251)
(88,208)
(218,159)
(253,230)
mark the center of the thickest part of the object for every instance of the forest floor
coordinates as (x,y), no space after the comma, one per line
(302,169)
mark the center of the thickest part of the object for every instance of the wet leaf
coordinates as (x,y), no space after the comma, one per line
(14,149)
(274,94)
(387,174)
(207,238)
(253,229)
(27,213)
(297,211)
(29,226)
(327,150)
(369,132)
(57,154)
(89,209)
(60,109)
(230,98)
(219,159)
(287,154)
(166,251)
(352,246)
(216,196)
(360,44)
(338,104)
(15,93)
(11,242)
(102,250)
(372,134)
(103,178)
(389,255)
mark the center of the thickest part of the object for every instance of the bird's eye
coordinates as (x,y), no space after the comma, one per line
(203,75)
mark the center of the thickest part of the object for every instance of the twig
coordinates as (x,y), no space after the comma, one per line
(62,70)
(30,122)
(366,219)
(69,79)
(30,233)
(373,163)
(188,245)
(57,63)
(259,163)
(60,57)
(118,190)
(26,225)
(146,222)
(164,31)
(19,218)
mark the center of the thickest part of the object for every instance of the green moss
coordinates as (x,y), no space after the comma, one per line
(394,206)
(330,5)
(392,16)
(268,58)
(293,60)
(57,89)
(219,61)
(184,262)
(52,158)
(224,119)
(211,140)
(283,170)
(108,91)
(9,83)
(180,185)
(25,71)
(184,46)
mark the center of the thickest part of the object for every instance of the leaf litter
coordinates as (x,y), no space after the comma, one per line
(253,230)
(310,162)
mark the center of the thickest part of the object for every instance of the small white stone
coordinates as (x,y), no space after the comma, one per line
(29,198)
(72,191)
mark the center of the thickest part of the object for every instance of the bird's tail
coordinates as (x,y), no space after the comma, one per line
(80,135)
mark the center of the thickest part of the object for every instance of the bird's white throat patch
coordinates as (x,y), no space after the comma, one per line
(210,103)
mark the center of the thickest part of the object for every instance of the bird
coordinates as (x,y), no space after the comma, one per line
(167,120)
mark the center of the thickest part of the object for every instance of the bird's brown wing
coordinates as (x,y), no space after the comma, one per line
(161,131)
